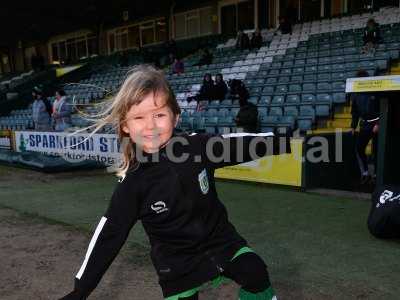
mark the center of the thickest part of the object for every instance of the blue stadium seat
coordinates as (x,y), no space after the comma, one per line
(311,69)
(324,87)
(312,61)
(284,79)
(298,70)
(226,103)
(324,77)
(309,87)
(338,86)
(286,72)
(265,100)
(234,111)
(310,78)
(210,124)
(281,89)
(262,111)
(278,100)
(268,90)
(267,123)
(322,110)
(211,112)
(295,88)
(286,121)
(293,99)
(253,100)
(214,103)
(275,111)
(296,78)
(225,124)
(271,81)
(222,112)
(307,111)
(324,99)
(291,111)
(308,98)
(339,98)
(304,124)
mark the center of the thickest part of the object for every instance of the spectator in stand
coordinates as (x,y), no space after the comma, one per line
(207,89)
(220,87)
(242,41)
(371,36)
(285,27)
(40,115)
(247,117)
(206,58)
(178,66)
(61,111)
(256,40)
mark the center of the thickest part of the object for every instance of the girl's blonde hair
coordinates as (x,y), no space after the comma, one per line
(140,82)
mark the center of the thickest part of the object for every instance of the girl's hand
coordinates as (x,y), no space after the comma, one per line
(73,296)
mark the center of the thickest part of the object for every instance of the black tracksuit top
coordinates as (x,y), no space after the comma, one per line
(190,235)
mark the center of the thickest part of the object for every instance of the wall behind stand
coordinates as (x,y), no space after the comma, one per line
(340,171)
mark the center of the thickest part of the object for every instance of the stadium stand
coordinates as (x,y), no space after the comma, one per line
(297,81)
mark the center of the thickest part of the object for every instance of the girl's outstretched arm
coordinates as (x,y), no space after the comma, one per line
(108,238)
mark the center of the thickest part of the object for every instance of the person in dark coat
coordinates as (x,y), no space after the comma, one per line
(206,58)
(242,41)
(365,112)
(247,117)
(220,88)
(207,89)
(285,27)
(256,40)
(371,36)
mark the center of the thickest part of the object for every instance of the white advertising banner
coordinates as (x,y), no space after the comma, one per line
(103,148)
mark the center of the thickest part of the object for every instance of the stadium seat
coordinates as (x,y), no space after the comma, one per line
(309,87)
(281,89)
(267,123)
(324,99)
(293,99)
(308,98)
(275,111)
(291,111)
(304,124)
(295,88)
(339,98)
(322,110)
(307,111)
(278,100)
(264,101)
(210,124)
(262,111)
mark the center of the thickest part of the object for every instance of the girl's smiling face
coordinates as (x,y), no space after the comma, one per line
(150,123)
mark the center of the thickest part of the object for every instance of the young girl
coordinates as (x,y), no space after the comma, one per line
(168,183)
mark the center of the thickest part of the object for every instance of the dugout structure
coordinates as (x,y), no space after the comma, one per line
(387,89)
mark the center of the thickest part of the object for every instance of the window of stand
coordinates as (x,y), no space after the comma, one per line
(193,23)
(73,49)
(136,35)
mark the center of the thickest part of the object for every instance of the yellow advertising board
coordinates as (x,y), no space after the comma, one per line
(373,84)
(285,169)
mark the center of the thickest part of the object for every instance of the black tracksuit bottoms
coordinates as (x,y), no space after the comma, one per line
(249,271)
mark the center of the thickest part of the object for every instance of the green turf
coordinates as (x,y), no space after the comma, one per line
(317,243)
